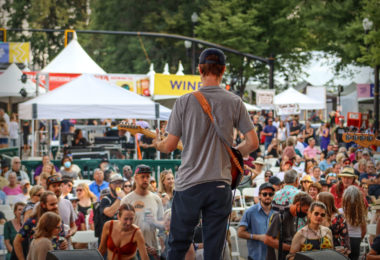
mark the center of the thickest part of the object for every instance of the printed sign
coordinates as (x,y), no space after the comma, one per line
(289,109)
(175,85)
(14,52)
(264,97)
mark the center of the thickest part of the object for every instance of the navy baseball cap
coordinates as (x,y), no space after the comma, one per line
(220,60)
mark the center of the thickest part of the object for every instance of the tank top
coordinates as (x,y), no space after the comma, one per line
(128,249)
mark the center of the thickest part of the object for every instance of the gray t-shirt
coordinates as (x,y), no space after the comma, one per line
(289,227)
(204,157)
(146,207)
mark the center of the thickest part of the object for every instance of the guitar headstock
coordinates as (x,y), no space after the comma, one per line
(361,139)
(133,129)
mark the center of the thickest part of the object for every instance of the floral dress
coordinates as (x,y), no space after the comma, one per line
(340,231)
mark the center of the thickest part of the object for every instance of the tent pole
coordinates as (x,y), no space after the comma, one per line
(32,152)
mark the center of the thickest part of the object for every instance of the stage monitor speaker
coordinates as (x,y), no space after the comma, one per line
(320,255)
(78,254)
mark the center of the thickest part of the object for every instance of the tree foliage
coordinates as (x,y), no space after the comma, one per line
(41,14)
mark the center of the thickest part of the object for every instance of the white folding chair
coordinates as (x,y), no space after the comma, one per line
(275,170)
(86,181)
(234,237)
(371,229)
(238,201)
(86,237)
(9,214)
(5,207)
(248,193)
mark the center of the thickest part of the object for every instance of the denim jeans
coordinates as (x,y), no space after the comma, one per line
(212,201)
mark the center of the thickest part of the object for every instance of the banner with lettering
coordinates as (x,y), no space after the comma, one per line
(14,52)
(175,85)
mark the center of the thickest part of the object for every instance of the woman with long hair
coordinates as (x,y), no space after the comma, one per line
(166,188)
(355,214)
(336,222)
(313,236)
(86,198)
(282,134)
(48,227)
(121,238)
(13,226)
(35,194)
(4,132)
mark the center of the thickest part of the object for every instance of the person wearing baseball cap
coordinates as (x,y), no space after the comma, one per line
(148,205)
(205,171)
(254,224)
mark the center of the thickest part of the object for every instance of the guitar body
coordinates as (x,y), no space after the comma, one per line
(236,174)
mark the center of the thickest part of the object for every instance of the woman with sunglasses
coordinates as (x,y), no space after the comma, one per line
(86,198)
(314,236)
(48,227)
(35,194)
(127,187)
(336,222)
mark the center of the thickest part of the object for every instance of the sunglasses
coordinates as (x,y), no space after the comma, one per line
(268,176)
(128,185)
(331,175)
(319,214)
(79,190)
(267,194)
(38,195)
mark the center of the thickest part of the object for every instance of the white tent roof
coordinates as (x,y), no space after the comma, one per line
(250,107)
(73,59)
(89,97)
(292,96)
(10,83)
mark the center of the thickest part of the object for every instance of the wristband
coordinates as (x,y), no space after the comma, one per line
(119,198)
(251,236)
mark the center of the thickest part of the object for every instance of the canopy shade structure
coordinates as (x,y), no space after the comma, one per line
(251,107)
(90,97)
(73,59)
(292,96)
(11,85)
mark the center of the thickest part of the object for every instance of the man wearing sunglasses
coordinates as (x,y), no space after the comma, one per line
(255,221)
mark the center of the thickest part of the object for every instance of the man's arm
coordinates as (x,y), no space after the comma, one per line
(167,145)
(243,233)
(250,143)
(273,242)
(111,210)
(372,255)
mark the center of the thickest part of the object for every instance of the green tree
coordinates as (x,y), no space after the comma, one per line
(262,28)
(41,14)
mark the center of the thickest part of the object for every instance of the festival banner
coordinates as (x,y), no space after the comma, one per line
(264,97)
(55,79)
(289,109)
(14,52)
(365,90)
(175,85)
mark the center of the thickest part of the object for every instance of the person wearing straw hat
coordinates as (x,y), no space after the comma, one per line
(305,183)
(256,174)
(347,178)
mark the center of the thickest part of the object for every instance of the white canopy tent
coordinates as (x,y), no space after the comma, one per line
(292,96)
(251,107)
(73,59)
(11,85)
(90,97)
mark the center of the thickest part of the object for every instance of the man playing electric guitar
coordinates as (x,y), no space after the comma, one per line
(203,180)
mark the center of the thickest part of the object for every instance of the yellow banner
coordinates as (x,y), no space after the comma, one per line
(174,85)
(19,52)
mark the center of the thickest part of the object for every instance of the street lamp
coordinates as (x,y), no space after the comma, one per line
(194,20)
(367,26)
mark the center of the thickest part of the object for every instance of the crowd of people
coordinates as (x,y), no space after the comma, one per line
(321,187)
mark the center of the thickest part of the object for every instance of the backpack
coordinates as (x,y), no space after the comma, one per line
(99,218)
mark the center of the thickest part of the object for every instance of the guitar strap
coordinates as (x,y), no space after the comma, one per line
(207,109)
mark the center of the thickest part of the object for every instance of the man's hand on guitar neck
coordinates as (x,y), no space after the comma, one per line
(250,143)
(167,145)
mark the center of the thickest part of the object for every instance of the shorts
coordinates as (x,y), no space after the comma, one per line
(3,140)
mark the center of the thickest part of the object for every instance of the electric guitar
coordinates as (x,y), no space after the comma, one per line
(135,129)
(361,139)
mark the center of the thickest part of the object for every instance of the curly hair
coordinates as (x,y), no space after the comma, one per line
(353,206)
